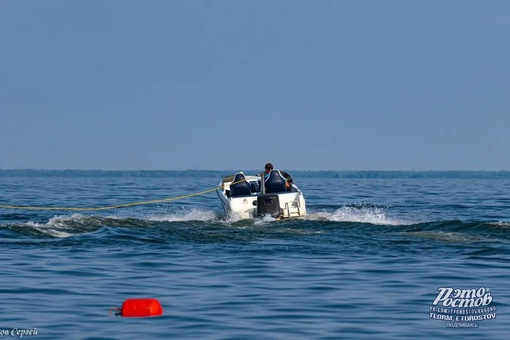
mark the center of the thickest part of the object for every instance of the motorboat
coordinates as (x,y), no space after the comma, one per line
(243,196)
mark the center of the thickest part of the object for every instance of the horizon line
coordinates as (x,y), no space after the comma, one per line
(321,170)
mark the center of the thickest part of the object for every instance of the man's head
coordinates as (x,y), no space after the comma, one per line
(268,168)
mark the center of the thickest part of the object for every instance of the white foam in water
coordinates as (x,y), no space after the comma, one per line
(503,224)
(264,220)
(370,215)
(233,217)
(182,216)
(55,225)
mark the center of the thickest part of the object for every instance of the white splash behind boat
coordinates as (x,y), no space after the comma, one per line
(244,197)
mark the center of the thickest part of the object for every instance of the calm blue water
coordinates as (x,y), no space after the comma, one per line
(366,262)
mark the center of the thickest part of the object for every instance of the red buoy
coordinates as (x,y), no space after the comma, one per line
(140,308)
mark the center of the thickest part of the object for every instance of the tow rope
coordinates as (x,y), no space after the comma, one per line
(111,207)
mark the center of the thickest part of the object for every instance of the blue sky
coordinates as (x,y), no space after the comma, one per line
(306,85)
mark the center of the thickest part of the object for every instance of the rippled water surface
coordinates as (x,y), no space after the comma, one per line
(366,262)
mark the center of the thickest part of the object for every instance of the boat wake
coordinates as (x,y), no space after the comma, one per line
(61,226)
(358,214)
(194,214)
(65,226)
(70,225)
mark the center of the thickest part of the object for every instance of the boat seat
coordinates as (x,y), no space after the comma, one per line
(275,183)
(255,186)
(241,186)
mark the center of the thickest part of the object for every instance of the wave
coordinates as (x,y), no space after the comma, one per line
(362,216)
(66,226)
(194,214)
(501,224)
(363,213)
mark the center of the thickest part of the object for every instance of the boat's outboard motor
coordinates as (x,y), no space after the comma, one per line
(268,204)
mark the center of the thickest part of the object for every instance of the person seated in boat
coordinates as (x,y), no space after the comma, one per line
(267,170)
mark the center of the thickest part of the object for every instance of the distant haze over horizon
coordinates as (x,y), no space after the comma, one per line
(294,173)
(244,170)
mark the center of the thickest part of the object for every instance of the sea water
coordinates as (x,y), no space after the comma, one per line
(374,258)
